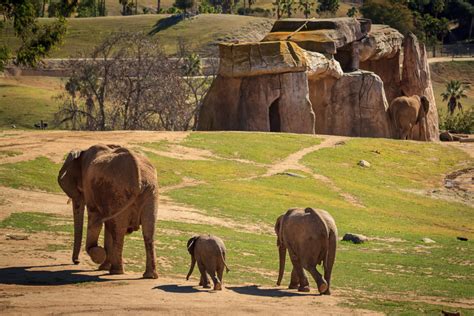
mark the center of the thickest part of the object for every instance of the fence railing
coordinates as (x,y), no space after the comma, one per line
(451,50)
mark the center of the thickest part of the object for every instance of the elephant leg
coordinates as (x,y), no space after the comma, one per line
(295,281)
(322,284)
(204,281)
(148,229)
(329,262)
(211,268)
(297,266)
(220,273)
(94,226)
(109,244)
(118,235)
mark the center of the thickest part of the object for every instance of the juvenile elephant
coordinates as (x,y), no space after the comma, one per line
(119,189)
(310,236)
(406,113)
(209,252)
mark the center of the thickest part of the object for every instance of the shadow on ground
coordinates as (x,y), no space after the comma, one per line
(173,288)
(165,23)
(256,291)
(30,275)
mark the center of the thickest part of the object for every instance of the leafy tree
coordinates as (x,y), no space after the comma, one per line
(288,7)
(306,6)
(36,40)
(352,12)
(278,8)
(455,91)
(430,29)
(184,4)
(328,6)
(392,13)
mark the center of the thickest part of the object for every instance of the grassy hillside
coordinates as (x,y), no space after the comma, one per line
(201,32)
(441,73)
(395,272)
(25,101)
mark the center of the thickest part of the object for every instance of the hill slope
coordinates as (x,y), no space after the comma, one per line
(235,185)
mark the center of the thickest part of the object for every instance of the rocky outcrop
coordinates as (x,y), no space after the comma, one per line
(379,52)
(353,105)
(416,80)
(276,102)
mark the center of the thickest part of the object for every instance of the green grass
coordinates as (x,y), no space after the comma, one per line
(39,174)
(257,147)
(382,270)
(24,106)
(200,32)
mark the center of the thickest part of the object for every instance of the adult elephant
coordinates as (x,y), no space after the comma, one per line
(119,189)
(310,236)
(406,113)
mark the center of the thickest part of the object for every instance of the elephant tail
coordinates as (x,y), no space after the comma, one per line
(225,264)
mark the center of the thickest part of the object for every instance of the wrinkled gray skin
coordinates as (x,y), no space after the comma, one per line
(406,113)
(209,253)
(310,236)
(119,189)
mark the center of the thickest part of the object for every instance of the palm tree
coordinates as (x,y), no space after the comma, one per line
(454,93)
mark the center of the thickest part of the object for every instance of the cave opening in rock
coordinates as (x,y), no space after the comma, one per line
(274,116)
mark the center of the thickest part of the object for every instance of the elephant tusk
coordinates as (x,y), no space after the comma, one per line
(69,201)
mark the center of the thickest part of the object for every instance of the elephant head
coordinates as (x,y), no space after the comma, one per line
(70,180)
(190,245)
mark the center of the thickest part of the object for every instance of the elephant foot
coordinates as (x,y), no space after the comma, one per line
(218,287)
(323,288)
(150,275)
(117,270)
(206,286)
(97,254)
(293,286)
(328,292)
(105,266)
(303,288)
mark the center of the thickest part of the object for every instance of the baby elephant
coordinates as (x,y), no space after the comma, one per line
(209,252)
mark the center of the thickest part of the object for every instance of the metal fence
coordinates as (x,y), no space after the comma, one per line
(452,50)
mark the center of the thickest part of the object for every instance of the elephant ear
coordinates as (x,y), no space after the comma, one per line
(69,177)
(191,244)
(425,103)
(277,228)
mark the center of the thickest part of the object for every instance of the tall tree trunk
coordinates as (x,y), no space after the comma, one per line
(158,6)
(43,9)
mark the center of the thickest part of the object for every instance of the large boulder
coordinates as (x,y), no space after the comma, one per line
(319,35)
(353,105)
(276,102)
(379,52)
(256,59)
(416,80)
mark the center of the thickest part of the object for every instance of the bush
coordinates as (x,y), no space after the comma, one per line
(392,13)
(461,122)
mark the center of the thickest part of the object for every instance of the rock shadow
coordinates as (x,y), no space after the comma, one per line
(173,288)
(257,291)
(28,275)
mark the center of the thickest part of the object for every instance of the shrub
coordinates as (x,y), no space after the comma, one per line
(461,122)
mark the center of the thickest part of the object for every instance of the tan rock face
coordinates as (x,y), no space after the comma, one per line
(416,80)
(278,102)
(353,105)
(318,66)
(256,59)
(383,42)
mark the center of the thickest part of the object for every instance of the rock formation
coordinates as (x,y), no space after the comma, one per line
(304,77)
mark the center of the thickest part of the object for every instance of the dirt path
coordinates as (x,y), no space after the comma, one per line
(447,59)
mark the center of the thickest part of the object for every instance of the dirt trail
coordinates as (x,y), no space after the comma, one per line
(37,282)
(292,162)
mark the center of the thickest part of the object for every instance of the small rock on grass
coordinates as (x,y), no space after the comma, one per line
(428,241)
(364,163)
(291,174)
(355,238)
(17,237)
(462,238)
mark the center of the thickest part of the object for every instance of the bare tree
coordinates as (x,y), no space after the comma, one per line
(129,83)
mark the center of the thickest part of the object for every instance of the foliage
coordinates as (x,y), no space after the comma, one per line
(91,8)
(461,122)
(352,12)
(129,83)
(306,7)
(392,13)
(328,6)
(455,91)
(184,4)
(36,40)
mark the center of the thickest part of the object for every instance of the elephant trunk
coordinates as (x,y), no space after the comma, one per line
(282,254)
(78,211)
(193,263)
